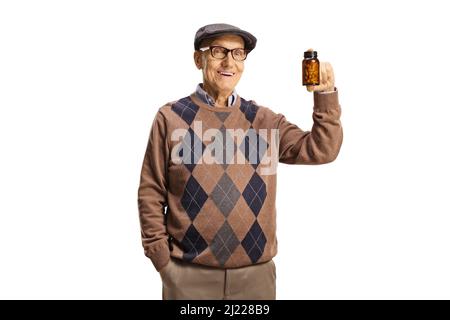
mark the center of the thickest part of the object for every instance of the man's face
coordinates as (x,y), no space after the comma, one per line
(213,69)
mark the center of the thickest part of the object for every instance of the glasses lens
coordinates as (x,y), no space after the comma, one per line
(218,52)
(239,54)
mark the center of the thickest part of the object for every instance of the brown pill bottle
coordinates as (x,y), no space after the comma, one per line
(311,69)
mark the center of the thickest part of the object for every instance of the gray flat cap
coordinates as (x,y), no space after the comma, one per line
(217,29)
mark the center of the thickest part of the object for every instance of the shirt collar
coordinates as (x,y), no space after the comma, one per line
(207,99)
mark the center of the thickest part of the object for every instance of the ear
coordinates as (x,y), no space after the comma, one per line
(198,59)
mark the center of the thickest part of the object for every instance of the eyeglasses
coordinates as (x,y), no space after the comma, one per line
(219,52)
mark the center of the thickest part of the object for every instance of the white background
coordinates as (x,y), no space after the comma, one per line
(80,82)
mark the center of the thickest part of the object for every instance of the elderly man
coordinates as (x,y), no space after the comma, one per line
(208,182)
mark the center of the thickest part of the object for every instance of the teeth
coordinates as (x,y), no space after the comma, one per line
(226,73)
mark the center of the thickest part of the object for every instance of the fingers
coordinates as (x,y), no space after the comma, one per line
(323,73)
(323,78)
(330,74)
(329,80)
(326,78)
(310,50)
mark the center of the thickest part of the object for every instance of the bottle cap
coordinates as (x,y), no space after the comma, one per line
(310,54)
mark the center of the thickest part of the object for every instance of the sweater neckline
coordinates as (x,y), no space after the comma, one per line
(214,108)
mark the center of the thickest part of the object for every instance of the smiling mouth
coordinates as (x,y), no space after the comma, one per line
(225,73)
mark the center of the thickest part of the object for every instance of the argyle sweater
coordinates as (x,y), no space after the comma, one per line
(214,204)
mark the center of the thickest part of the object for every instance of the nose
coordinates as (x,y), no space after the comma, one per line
(228,59)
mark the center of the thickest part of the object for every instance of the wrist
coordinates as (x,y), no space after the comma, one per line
(328,89)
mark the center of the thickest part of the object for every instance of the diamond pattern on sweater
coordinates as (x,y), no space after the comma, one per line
(223,231)
(208,176)
(186,109)
(193,244)
(248,109)
(241,218)
(254,242)
(225,195)
(209,221)
(224,243)
(255,193)
(222,115)
(228,147)
(191,149)
(194,197)
(241,173)
(253,147)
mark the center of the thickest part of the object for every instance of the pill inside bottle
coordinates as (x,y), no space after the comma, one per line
(311,69)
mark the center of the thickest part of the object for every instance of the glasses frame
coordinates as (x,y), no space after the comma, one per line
(226,53)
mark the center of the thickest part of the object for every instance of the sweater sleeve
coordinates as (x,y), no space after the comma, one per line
(152,195)
(322,143)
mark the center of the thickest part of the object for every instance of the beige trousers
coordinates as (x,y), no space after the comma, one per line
(187,281)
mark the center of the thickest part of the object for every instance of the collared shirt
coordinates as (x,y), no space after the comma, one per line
(207,99)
